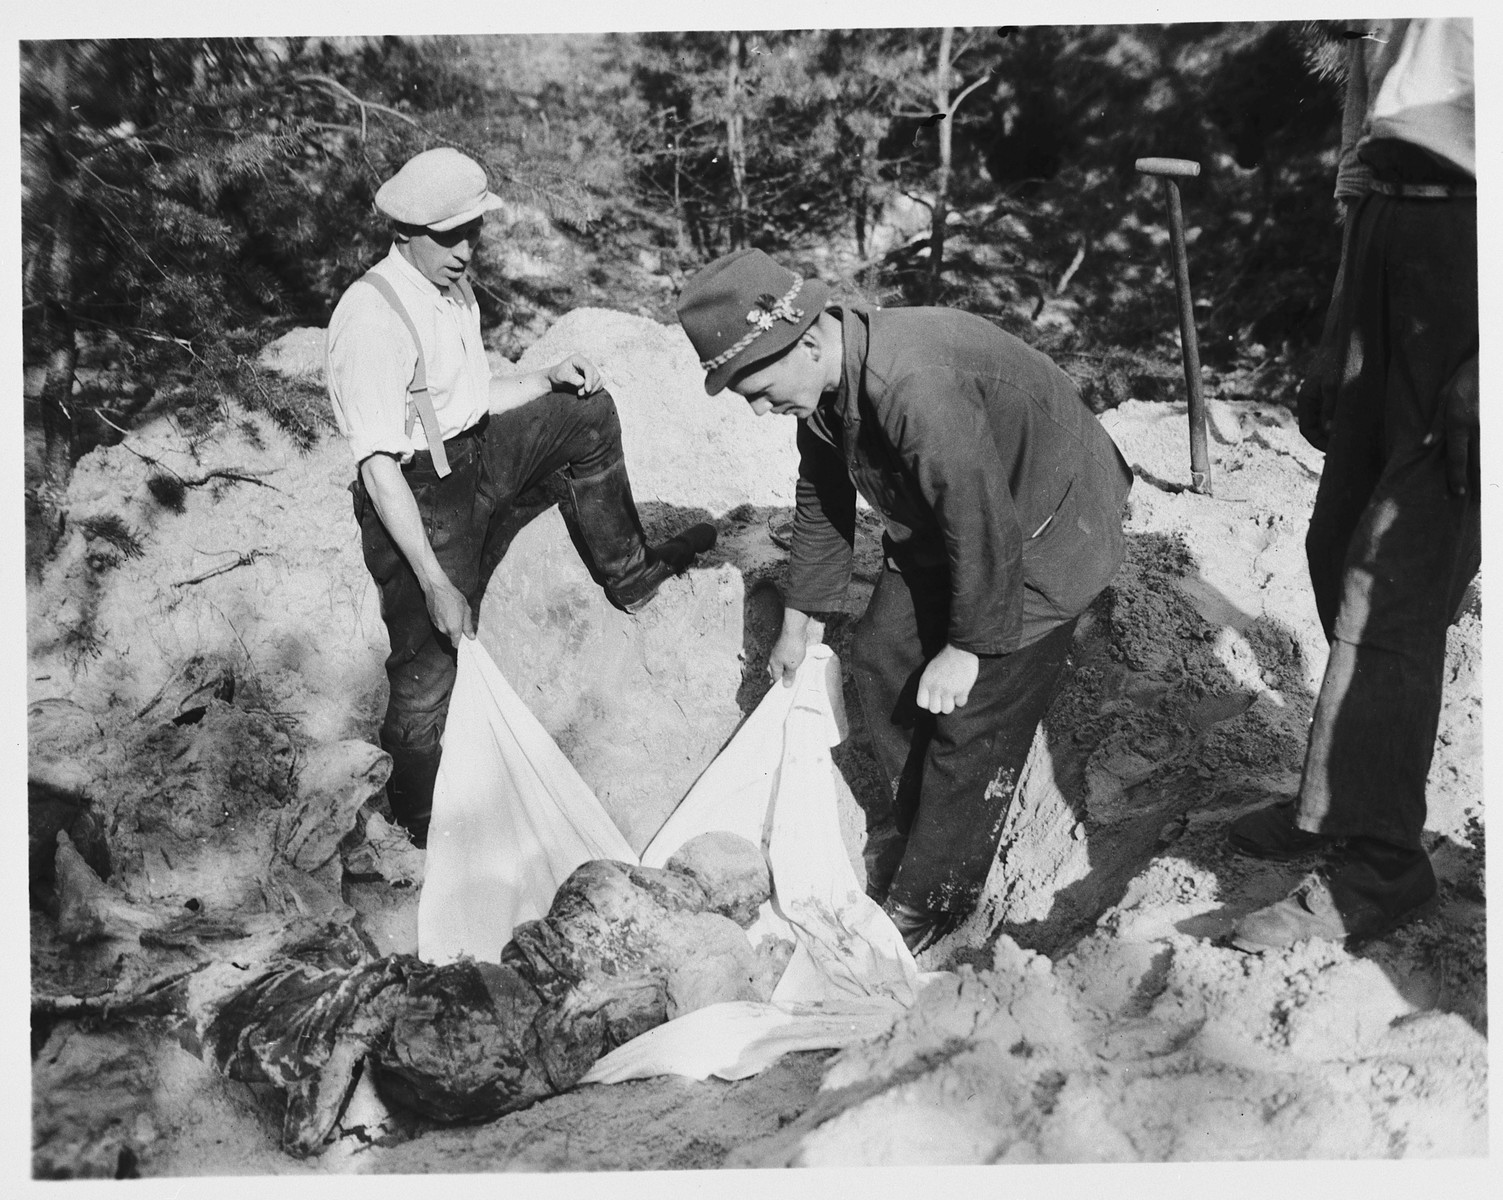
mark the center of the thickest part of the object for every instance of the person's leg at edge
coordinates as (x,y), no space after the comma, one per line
(1405,568)
(1353,465)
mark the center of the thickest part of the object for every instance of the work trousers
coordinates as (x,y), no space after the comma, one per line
(953,774)
(1391,550)
(465,517)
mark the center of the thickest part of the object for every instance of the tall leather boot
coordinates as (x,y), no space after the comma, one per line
(606,516)
(409,790)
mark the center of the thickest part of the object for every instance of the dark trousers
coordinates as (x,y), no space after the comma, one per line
(953,774)
(465,518)
(1391,551)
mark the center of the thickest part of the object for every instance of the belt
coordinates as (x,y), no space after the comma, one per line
(474,431)
(1425,191)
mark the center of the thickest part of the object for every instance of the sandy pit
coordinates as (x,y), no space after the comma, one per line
(1095,1015)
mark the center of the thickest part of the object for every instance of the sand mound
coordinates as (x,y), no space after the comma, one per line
(258,576)
(684,448)
(1187,1054)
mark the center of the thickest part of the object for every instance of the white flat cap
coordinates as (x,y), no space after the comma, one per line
(439,189)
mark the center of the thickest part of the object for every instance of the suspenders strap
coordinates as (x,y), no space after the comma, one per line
(417,391)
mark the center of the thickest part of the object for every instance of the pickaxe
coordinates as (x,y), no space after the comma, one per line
(1170,169)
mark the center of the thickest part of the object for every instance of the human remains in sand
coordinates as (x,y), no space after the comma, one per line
(1395,538)
(444,450)
(1003,500)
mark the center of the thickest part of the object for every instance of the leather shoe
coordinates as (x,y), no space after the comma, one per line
(1374,892)
(417,831)
(661,563)
(1270,833)
(921,927)
(882,856)
(679,551)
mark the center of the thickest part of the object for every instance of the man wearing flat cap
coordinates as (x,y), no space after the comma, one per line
(443,450)
(1002,497)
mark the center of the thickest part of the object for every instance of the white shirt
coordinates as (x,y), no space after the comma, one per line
(370,360)
(1411,80)
(1428,96)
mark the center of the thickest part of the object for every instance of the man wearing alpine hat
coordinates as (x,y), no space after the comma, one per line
(443,450)
(1002,497)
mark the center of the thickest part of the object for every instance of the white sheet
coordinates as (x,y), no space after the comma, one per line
(512,819)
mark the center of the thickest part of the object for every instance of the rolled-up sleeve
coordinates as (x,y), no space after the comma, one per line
(937,424)
(824,527)
(370,362)
(1353,176)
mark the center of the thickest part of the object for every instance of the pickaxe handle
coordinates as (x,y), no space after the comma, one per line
(1170,169)
(1184,168)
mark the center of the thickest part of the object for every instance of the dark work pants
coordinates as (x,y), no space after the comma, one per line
(1391,551)
(464,515)
(953,774)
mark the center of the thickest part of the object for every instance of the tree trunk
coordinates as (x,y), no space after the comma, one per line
(680,233)
(868,212)
(941,209)
(56,295)
(861,197)
(58,425)
(735,142)
(857,199)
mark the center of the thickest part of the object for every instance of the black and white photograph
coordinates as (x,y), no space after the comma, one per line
(609,594)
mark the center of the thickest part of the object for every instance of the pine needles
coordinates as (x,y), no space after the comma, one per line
(168,490)
(112,540)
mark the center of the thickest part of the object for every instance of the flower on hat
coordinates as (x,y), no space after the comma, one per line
(768,309)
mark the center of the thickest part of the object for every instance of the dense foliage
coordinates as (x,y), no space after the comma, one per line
(1048,228)
(185,200)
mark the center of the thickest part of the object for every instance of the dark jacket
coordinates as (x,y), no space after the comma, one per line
(982,458)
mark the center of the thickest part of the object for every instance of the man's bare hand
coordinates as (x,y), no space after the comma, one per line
(946,682)
(449,610)
(1457,425)
(575,372)
(787,656)
(800,631)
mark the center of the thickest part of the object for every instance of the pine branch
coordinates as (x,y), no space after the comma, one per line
(955,103)
(340,92)
(244,560)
